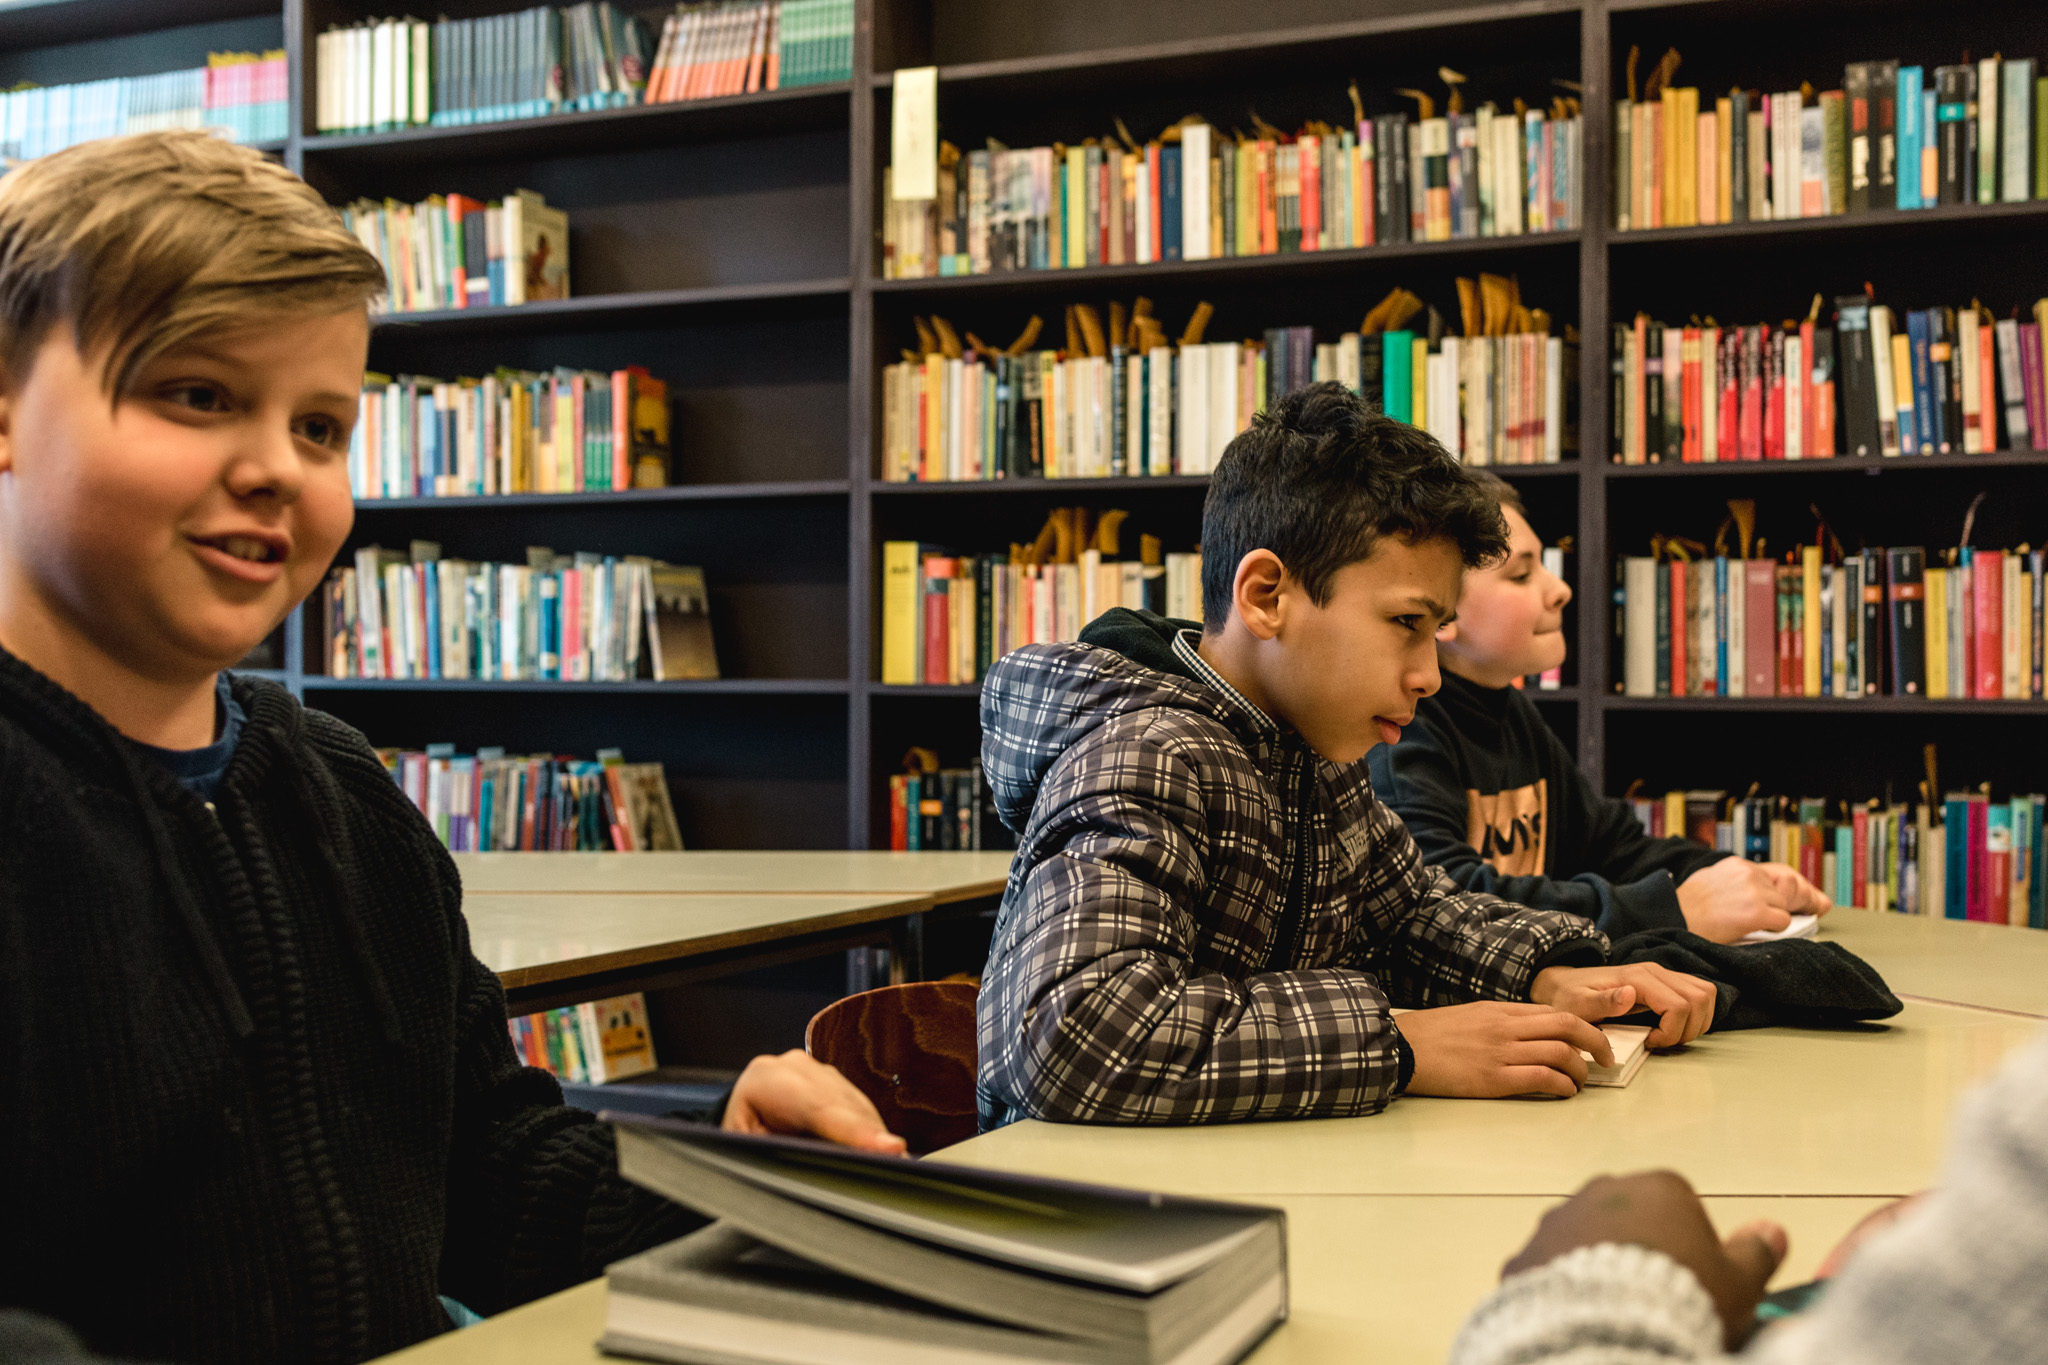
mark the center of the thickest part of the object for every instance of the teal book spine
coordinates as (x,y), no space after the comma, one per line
(1398,376)
(1955,856)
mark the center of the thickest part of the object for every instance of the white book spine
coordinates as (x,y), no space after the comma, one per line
(1195,140)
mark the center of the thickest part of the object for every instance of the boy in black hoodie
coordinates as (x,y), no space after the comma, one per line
(1211,916)
(258,1102)
(1494,799)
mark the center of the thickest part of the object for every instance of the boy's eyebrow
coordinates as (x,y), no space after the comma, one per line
(1444,615)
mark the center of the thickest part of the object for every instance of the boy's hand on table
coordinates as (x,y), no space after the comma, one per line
(1684,1005)
(1495,1048)
(1657,1209)
(796,1095)
(1731,899)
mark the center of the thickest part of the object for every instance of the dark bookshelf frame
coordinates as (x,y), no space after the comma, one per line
(1040,52)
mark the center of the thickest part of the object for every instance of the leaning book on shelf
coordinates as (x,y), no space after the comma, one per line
(452,251)
(1893,136)
(1195,192)
(512,431)
(1962,856)
(576,618)
(820,1253)
(1121,399)
(947,617)
(487,802)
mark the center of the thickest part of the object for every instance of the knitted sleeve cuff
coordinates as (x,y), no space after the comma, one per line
(1612,1304)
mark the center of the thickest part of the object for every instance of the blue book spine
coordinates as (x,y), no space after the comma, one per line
(1721,625)
(430,587)
(1908,114)
(1923,385)
(2037,894)
(1169,202)
(1955,855)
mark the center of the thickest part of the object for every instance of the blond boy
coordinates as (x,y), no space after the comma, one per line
(260,1102)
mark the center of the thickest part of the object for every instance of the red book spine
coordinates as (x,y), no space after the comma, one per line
(1759,627)
(1987,569)
(1151,187)
(938,615)
(1109,188)
(1368,192)
(1749,376)
(1809,396)
(1689,397)
(1859,875)
(1680,625)
(1309,152)
(899,814)
(1987,386)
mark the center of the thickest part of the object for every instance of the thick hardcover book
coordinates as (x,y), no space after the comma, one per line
(1953,92)
(1987,586)
(1760,621)
(1170,211)
(1917,336)
(1884,139)
(825,1254)
(1858,375)
(1906,592)
(1856,89)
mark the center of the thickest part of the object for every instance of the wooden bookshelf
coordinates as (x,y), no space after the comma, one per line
(733,246)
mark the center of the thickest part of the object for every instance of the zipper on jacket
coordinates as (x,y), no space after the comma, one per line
(1287,936)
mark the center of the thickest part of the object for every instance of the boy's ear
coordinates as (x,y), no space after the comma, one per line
(1255,593)
(6,421)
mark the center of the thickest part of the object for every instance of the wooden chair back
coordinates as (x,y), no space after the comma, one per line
(910,1049)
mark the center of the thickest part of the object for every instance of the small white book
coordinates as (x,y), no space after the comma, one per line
(1630,1043)
(1802,926)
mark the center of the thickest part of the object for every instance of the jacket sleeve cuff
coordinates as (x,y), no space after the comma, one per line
(1647,903)
(1590,951)
(1404,1061)
(1626,1304)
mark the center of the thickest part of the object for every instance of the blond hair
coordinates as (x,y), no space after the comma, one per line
(143,243)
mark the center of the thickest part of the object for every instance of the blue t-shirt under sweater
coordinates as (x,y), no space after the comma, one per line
(200,770)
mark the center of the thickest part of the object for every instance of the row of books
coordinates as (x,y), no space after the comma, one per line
(1939,381)
(947,617)
(489,801)
(1873,622)
(241,95)
(452,251)
(1889,138)
(384,74)
(931,807)
(736,47)
(587,1044)
(512,431)
(1123,400)
(1196,192)
(574,618)
(1964,857)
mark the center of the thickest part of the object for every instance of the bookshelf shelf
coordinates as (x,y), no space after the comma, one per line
(1213,57)
(779,687)
(1080,487)
(2004,459)
(637,309)
(957,691)
(1914,706)
(50,23)
(1946,217)
(1246,270)
(806,109)
(707,492)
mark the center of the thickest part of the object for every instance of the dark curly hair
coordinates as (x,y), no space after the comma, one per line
(1320,480)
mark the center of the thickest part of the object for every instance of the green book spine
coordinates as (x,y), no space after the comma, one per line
(2041,138)
(1398,376)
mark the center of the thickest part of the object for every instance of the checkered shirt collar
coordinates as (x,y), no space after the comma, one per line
(1184,649)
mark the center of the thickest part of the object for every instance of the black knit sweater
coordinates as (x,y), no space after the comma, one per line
(259,1100)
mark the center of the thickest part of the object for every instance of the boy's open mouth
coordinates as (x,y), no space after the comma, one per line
(252,549)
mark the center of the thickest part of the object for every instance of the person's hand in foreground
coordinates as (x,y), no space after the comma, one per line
(1658,1209)
(1684,1005)
(1731,899)
(796,1095)
(1494,1048)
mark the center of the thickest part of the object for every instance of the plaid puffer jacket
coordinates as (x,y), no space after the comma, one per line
(1206,921)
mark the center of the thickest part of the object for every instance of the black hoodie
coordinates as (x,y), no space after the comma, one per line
(259,1101)
(1494,799)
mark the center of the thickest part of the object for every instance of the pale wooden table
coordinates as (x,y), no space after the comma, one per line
(943,876)
(1992,966)
(1373,1278)
(552,948)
